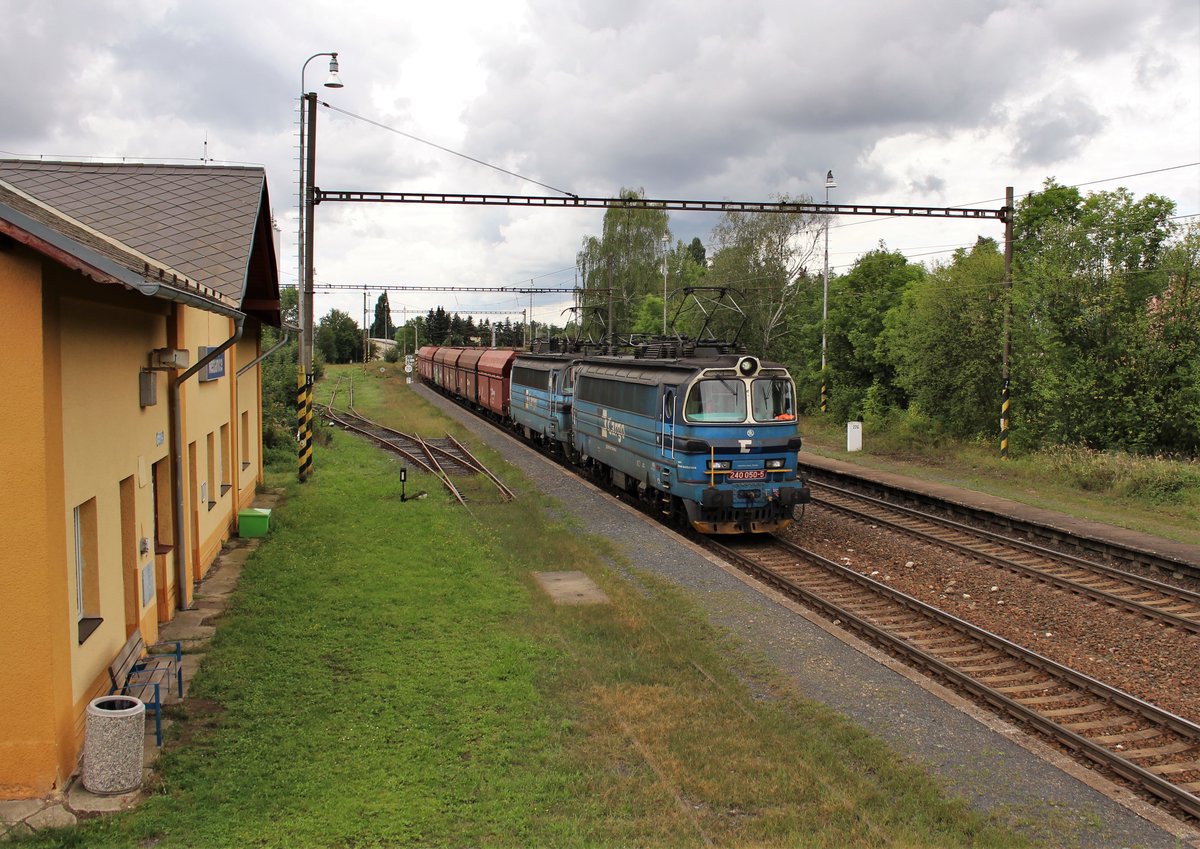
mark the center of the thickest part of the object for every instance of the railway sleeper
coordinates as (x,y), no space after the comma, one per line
(1078,710)
(1173,769)
(1157,751)
(1108,722)
(1130,736)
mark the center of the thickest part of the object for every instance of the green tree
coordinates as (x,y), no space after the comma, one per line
(382,327)
(943,342)
(437,323)
(1085,353)
(861,377)
(649,317)
(626,258)
(339,338)
(766,257)
(1174,342)
(279,376)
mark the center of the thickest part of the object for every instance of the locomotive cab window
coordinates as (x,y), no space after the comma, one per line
(720,400)
(772,401)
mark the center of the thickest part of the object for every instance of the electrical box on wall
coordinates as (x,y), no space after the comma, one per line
(169,358)
(147,388)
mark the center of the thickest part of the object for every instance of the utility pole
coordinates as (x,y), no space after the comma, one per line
(304,395)
(609,329)
(665,240)
(829,184)
(1006,356)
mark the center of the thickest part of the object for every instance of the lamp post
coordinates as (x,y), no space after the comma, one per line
(304,256)
(304,226)
(665,240)
(829,184)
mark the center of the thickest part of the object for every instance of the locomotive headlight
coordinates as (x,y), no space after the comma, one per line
(720,465)
(775,464)
(747,366)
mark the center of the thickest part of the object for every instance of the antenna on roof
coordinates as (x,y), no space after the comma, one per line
(205,158)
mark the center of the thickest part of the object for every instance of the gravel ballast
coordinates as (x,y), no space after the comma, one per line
(977,757)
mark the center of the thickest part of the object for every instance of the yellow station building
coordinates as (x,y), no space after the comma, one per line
(132,297)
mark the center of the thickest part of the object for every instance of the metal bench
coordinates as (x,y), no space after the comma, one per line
(135,673)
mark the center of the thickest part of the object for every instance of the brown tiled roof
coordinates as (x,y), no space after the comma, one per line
(199,220)
(95,255)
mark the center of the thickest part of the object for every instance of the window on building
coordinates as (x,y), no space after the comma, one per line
(160,477)
(226,461)
(87,570)
(245,439)
(209,491)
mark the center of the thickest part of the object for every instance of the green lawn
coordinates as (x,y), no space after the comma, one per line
(390,675)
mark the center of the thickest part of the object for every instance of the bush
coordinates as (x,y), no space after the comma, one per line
(905,433)
(1153,479)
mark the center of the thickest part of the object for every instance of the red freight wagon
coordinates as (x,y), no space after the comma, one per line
(443,368)
(494,369)
(425,363)
(466,370)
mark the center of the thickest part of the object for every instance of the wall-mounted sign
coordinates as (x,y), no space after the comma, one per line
(214,369)
(148,583)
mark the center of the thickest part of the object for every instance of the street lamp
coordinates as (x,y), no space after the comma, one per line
(665,240)
(304,256)
(829,184)
(304,208)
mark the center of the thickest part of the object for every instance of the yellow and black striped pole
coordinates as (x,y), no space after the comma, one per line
(1004,422)
(304,423)
(824,395)
(1006,343)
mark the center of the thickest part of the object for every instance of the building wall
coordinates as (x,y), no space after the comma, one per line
(35,673)
(107,438)
(71,351)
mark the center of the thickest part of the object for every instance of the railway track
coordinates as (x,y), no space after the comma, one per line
(1152,562)
(445,458)
(1153,749)
(1096,581)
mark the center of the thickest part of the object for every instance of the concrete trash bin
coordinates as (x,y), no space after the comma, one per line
(113,745)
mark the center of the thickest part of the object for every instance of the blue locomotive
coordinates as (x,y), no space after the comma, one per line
(709,436)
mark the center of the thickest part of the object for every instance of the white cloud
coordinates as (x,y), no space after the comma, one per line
(938,102)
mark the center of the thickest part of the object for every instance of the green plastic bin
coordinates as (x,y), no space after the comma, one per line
(254,522)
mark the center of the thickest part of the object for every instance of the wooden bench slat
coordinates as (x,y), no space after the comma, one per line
(141,675)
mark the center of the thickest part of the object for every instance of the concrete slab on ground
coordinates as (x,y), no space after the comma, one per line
(570,588)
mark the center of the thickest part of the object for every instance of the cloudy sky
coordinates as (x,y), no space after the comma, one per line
(936,102)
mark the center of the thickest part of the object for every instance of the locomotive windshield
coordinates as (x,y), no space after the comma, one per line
(716,400)
(772,400)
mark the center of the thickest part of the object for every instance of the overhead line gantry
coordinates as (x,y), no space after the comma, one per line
(789,207)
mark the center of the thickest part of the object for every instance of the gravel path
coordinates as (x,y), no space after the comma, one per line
(980,761)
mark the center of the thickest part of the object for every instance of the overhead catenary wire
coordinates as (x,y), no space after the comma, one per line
(1028,192)
(444,149)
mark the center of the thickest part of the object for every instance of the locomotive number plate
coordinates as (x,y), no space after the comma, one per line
(748,475)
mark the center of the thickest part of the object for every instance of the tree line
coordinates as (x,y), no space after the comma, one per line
(1105,317)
